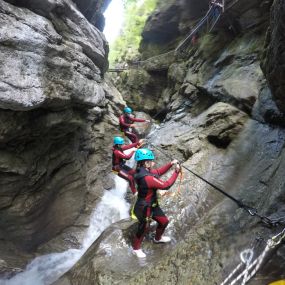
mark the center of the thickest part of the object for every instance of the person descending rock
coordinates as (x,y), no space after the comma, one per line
(126,121)
(147,206)
(119,160)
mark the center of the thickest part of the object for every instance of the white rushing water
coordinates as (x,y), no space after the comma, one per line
(48,268)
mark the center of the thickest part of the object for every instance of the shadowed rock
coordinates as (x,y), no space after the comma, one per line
(273,58)
(53,105)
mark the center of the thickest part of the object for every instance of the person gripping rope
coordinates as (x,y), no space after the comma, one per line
(119,160)
(126,122)
(146,207)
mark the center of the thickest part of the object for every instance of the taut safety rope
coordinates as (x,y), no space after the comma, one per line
(252,211)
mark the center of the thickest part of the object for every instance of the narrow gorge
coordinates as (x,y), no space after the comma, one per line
(216,104)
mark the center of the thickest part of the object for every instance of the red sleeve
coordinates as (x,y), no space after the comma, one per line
(138,120)
(161,170)
(128,146)
(123,123)
(153,182)
(120,154)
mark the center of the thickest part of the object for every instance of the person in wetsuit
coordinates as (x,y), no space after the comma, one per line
(126,122)
(119,160)
(146,207)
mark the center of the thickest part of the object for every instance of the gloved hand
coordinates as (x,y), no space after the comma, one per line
(142,142)
(174,161)
(178,168)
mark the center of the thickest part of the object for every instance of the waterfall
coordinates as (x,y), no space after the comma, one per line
(46,269)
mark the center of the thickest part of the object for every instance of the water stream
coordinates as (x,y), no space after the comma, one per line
(46,269)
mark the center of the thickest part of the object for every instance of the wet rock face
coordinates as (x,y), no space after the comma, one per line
(208,231)
(52,119)
(218,122)
(274,59)
(172,21)
(40,152)
(225,65)
(142,88)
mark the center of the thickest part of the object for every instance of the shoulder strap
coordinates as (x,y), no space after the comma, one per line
(142,172)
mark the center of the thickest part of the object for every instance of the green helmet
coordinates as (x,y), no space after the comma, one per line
(128,110)
(144,154)
(119,140)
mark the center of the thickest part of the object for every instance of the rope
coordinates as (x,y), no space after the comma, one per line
(201,21)
(180,182)
(181,44)
(252,267)
(250,210)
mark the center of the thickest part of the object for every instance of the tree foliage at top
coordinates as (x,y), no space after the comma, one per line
(125,47)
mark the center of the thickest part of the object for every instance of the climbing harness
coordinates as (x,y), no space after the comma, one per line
(280,282)
(250,210)
(252,266)
(133,216)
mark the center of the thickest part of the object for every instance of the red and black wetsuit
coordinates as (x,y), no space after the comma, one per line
(118,163)
(147,205)
(125,126)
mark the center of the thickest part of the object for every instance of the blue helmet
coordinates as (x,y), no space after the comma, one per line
(119,140)
(128,110)
(144,154)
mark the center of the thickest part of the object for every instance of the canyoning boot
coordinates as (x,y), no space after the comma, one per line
(139,253)
(163,239)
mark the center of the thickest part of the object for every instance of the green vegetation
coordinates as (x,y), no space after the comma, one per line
(126,45)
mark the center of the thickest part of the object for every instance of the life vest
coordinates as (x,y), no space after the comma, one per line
(143,189)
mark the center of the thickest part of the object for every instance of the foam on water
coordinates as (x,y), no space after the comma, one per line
(48,268)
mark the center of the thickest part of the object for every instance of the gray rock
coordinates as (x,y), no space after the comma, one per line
(54,120)
(206,248)
(45,68)
(266,110)
(55,159)
(92,10)
(274,56)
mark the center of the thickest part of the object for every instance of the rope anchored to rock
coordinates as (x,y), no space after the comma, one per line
(251,267)
(250,210)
